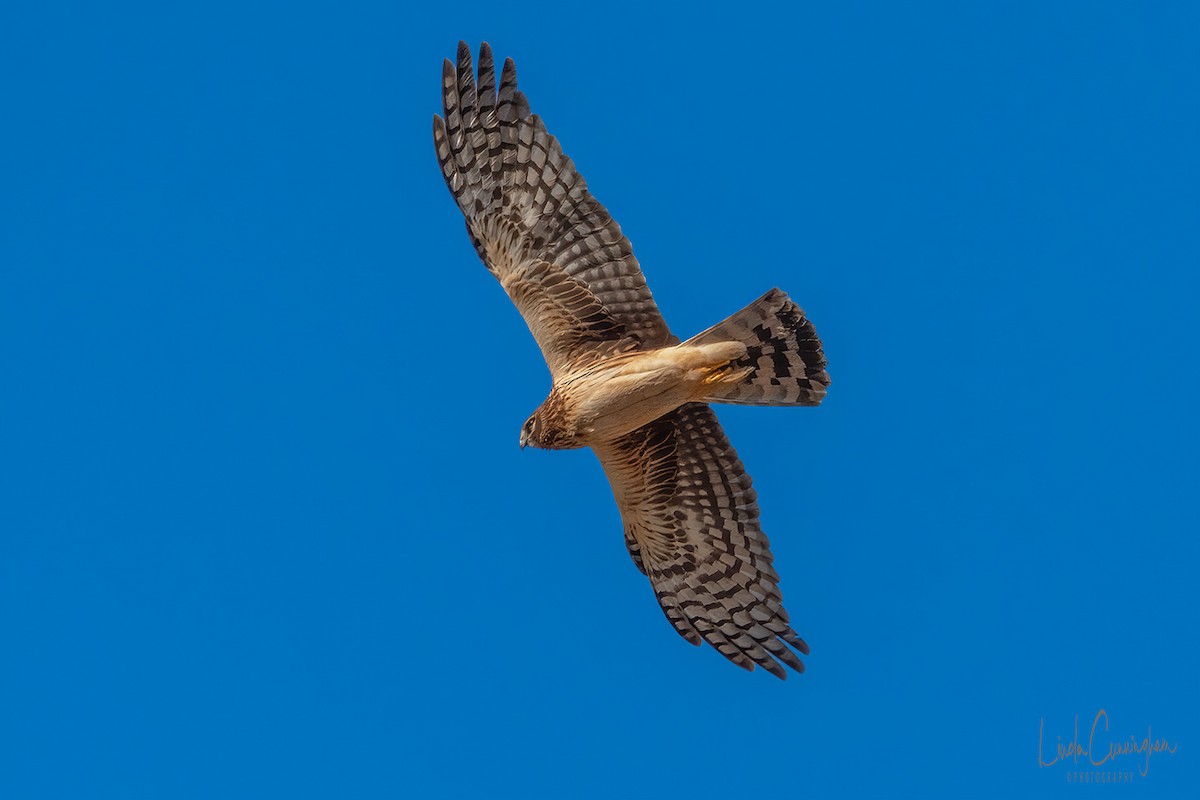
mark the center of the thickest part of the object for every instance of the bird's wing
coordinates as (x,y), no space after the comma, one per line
(691,524)
(560,256)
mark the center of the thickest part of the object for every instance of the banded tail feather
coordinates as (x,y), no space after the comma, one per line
(783,355)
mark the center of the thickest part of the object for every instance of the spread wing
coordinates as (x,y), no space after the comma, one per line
(556,251)
(691,524)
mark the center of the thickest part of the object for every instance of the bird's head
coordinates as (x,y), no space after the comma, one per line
(544,429)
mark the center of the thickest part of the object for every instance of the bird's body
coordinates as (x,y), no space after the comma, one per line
(622,384)
(604,401)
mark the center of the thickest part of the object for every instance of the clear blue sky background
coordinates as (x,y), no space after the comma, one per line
(265,530)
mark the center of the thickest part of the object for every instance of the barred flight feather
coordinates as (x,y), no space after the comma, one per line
(524,201)
(691,523)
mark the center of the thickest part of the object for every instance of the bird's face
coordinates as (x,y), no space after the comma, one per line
(531,432)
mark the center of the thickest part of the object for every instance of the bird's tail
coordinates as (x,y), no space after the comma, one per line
(783,365)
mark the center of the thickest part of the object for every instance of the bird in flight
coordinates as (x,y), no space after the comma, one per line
(622,383)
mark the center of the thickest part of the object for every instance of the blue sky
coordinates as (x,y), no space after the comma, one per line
(265,529)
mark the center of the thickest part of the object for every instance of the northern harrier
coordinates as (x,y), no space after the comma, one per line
(623,385)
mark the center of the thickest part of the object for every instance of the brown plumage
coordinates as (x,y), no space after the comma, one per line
(622,384)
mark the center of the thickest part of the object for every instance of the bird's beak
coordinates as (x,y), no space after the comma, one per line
(523,440)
